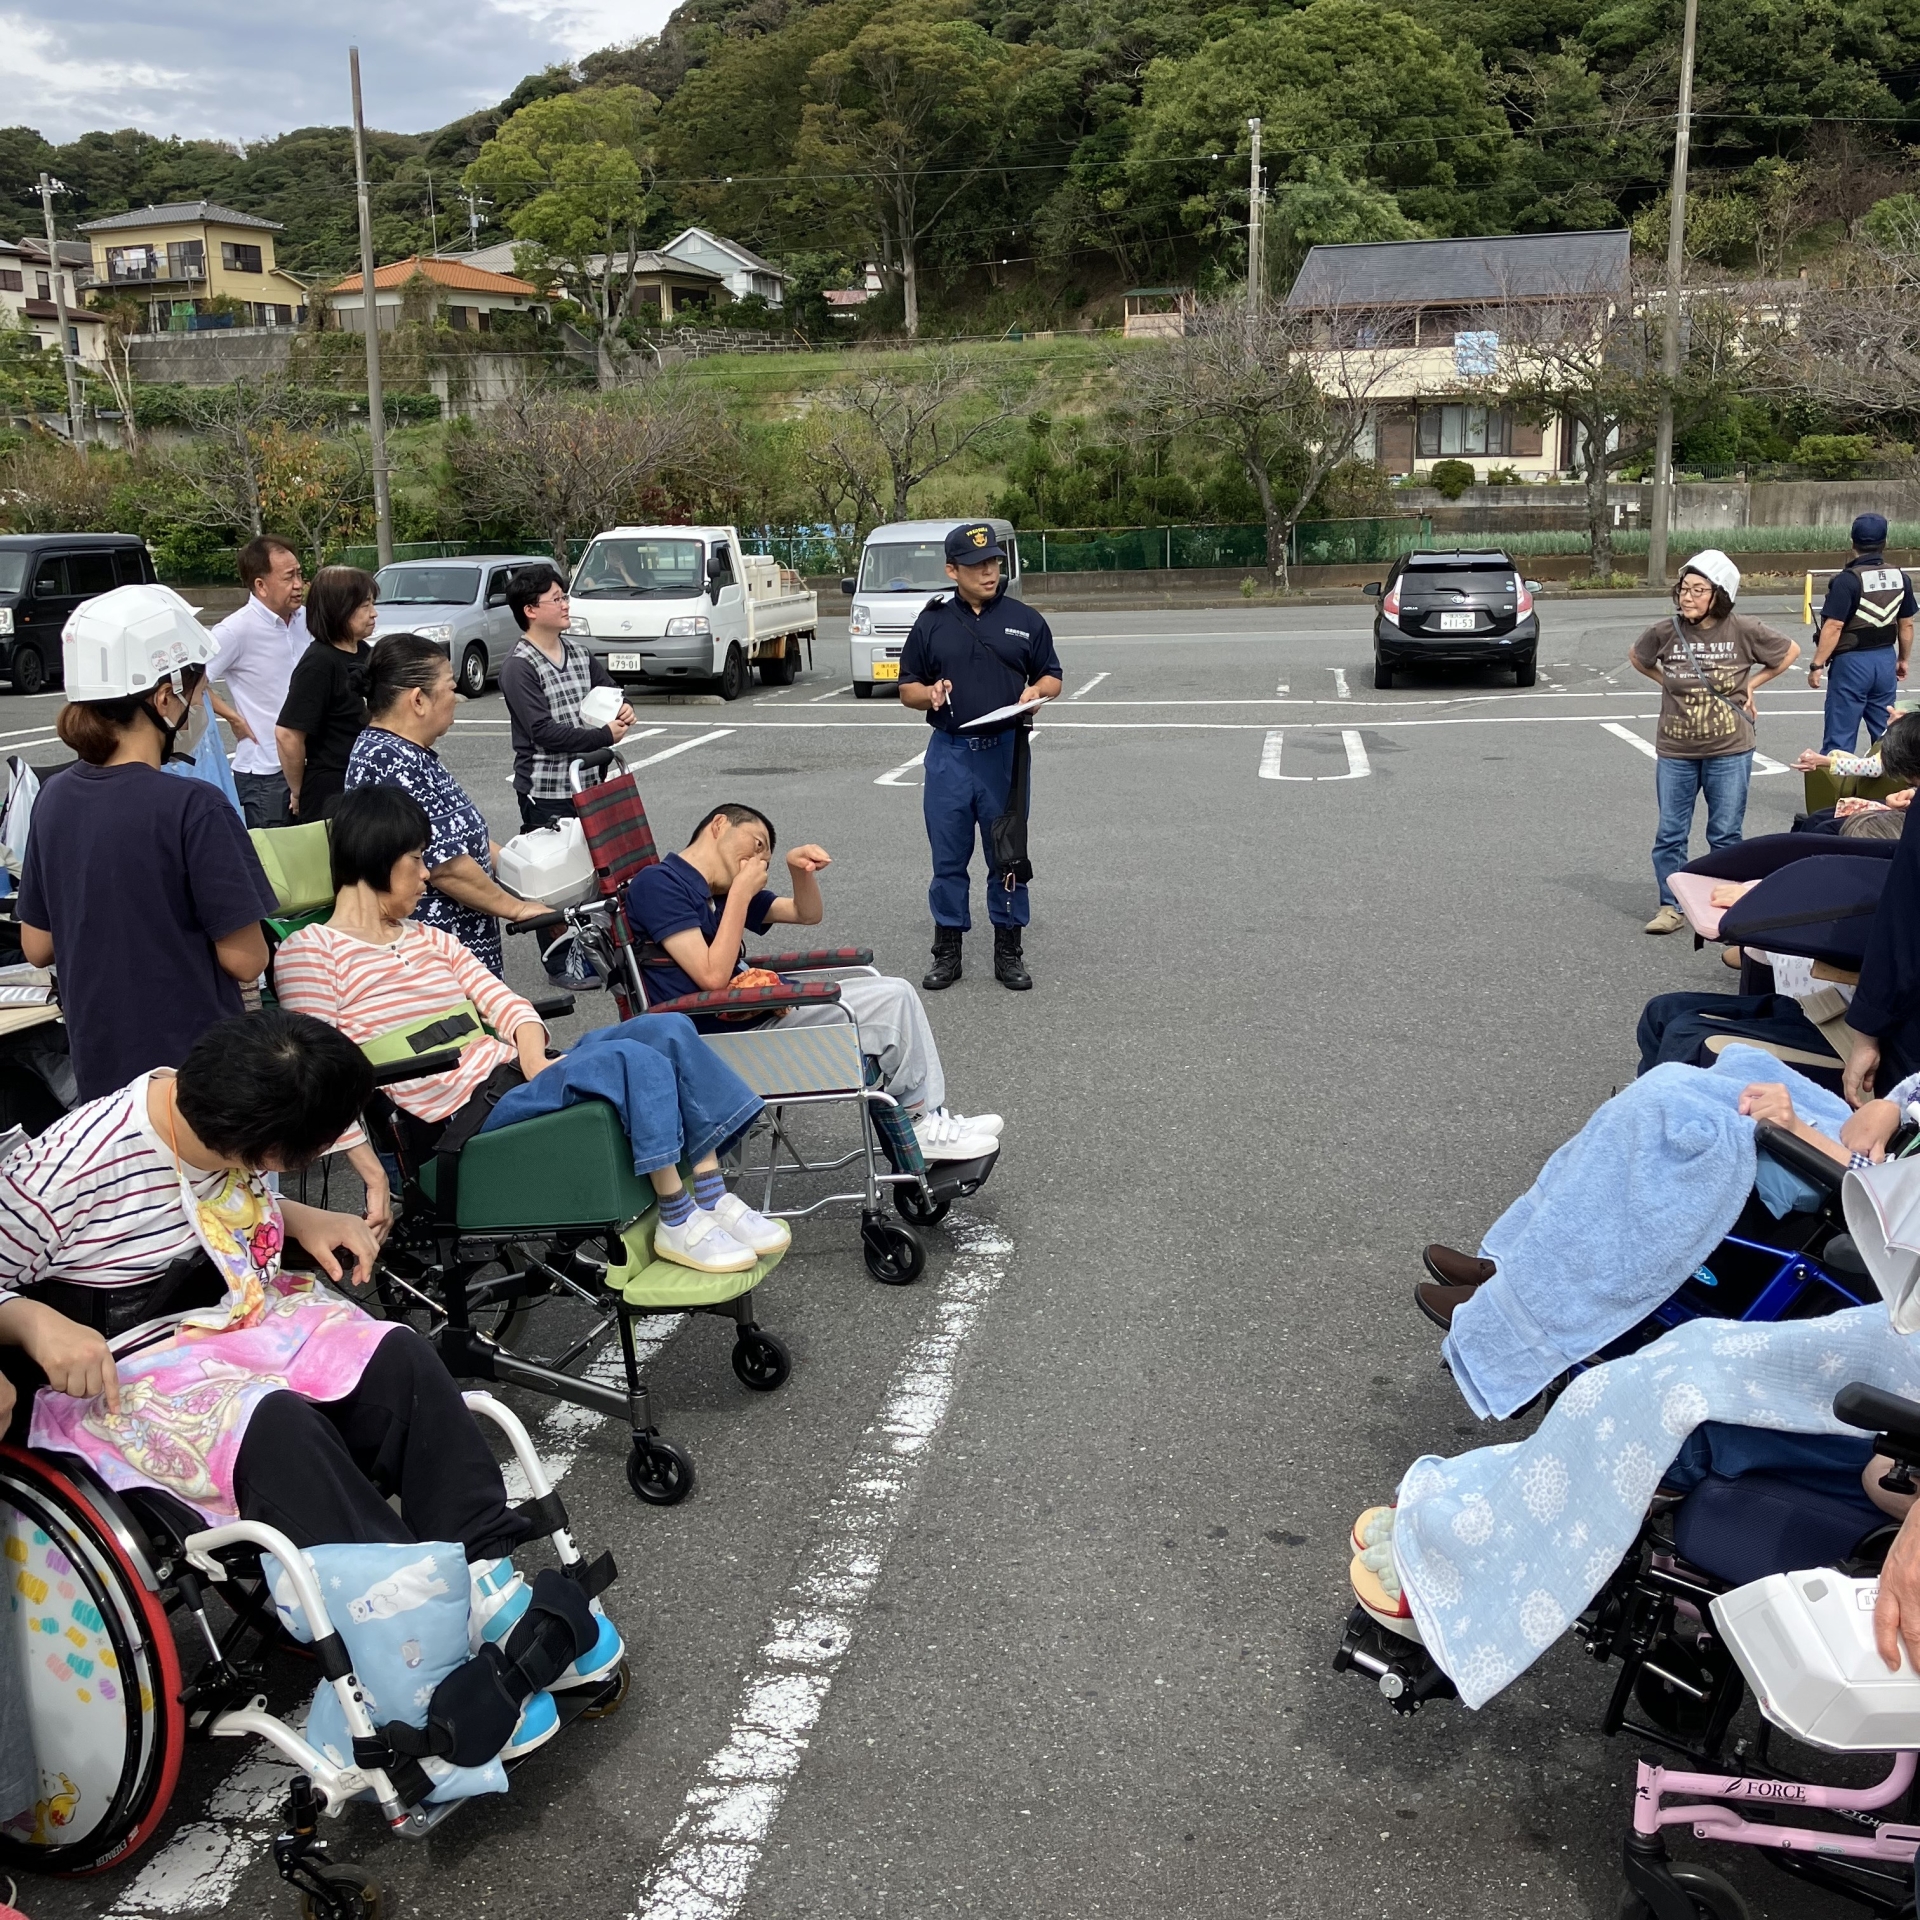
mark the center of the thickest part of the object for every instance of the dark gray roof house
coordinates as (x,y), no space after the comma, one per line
(177,213)
(1470,272)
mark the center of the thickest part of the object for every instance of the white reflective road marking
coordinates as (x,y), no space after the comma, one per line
(1762,766)
(1358,765)
(685,746)
(1630,737)
(1088,688)
(708,1859)
(832,693)
(893,779)
(1340,682)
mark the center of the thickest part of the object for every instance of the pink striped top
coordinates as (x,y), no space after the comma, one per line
(366,990)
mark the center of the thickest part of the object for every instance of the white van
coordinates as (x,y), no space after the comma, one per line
(902,568)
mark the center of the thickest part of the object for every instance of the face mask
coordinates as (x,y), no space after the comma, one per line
(193,730)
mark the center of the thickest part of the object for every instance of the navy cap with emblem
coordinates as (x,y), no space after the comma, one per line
(968,546)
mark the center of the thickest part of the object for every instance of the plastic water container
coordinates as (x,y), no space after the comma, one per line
(549,864)
(1804,1641)
(601,706)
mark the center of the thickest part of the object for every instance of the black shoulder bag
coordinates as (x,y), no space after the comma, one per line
(1009,831)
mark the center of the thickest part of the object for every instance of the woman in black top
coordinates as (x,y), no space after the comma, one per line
(326,706)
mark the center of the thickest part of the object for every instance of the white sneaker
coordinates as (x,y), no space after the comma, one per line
(702,1243)
(766,1237)
(987,1123)
(941,1138)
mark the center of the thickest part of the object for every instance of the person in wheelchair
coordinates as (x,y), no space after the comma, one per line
(397,986)
(699,904)
(1626,1210)
(266,1396)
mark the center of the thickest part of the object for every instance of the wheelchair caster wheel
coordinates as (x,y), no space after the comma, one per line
(1711,1897)
(894,1254)
(761,1361)
(922,1212)
(658,1471)
(344,1892)
(621,1680)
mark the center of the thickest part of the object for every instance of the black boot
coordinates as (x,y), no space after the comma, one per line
(946,960)
(1008,967)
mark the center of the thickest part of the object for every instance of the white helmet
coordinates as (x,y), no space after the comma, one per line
(1716,569)
(128,641)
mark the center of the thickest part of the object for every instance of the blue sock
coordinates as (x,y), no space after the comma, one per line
(676,1209)
(709,1189)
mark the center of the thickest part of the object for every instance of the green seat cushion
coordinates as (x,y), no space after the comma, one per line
(573,1168)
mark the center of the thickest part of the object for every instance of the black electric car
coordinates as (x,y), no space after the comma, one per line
(1469,608)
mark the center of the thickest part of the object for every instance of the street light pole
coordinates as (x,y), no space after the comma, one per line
(48,188)
(370,314)
(1662,514)
(1255,236)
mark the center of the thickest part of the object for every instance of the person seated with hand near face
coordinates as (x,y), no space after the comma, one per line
(700,903)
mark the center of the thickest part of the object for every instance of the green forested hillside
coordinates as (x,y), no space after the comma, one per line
(1030,155)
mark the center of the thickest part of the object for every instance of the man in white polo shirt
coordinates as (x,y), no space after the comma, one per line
(254,654)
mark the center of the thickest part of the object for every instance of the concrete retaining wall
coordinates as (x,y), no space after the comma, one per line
(1699,507)
(215,358)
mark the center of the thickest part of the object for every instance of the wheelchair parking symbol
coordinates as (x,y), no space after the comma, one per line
(1358,765)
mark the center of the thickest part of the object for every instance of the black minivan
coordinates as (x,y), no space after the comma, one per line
(1469,608)
(43,577)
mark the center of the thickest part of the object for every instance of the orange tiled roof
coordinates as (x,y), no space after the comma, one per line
(451,274)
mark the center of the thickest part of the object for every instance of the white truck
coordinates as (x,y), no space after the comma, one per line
(689,605)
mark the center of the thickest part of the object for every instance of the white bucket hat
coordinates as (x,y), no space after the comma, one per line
(1714,565)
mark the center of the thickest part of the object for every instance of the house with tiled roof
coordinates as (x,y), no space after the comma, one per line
(29,301)
(195,263)
(472,298)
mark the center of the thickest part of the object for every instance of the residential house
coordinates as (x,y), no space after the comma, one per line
(186,260)
(28,303)
(472,298)
(1439,306)
(742,270)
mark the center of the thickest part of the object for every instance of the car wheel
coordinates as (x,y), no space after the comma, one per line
(29,668)
(863,689)
(1382,674)
(473,672)
(733,676)
(782,672)
(1525,672)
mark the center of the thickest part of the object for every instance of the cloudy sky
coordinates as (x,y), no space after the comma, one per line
(235,70)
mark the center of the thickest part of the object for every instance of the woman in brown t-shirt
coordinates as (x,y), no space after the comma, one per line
(1709,662)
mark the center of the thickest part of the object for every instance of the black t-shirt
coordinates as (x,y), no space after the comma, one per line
(991,656)
(136,873)
(326,700)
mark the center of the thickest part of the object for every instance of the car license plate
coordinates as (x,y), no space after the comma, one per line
(886,669)
(626,663)
(1456,623)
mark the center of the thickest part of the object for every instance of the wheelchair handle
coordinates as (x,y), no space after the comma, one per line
(1791,1151)
(542,923)
(1893,1421)
(423,1068)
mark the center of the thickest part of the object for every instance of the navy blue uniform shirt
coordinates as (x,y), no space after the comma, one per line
(669,897)
(991,657)
(1843,593)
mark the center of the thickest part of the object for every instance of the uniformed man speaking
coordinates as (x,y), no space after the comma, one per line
(1866,632)
(970,654)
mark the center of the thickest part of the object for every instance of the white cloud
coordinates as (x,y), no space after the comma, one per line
(584,26)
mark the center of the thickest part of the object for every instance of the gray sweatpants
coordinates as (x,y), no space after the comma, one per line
(893,1030)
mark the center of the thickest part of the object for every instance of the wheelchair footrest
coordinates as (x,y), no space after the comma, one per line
(956,1179)
(1403,1669)
(655,1286)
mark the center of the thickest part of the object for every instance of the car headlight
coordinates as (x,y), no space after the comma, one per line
(6,619)
(689,626)
(860,623)
(579,630)
(441,634)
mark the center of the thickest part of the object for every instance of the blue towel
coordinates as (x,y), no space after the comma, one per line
(1617,1220)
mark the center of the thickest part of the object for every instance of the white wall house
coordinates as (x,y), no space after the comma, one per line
(27,297)
(740,268)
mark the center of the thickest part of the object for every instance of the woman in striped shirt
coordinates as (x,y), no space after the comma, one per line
(383,978)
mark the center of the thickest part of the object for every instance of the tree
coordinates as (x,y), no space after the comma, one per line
(573,177)
(1283,392)
(252,443)
(911,111)
(1853,348)
(564,467)
(886,432)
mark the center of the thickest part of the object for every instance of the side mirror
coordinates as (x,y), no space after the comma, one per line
(1372,589)
(847,584)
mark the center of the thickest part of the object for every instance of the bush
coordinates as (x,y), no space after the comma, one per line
(1833,456)
(1451,478)
(1503,477)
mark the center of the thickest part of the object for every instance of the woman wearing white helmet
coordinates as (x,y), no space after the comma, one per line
(1708,662)
(143,890)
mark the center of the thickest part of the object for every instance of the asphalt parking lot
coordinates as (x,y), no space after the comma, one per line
(1020,1597)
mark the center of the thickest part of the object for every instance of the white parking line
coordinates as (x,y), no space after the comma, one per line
(1080,692)
(1340,686)
(832,693)
(708,1859)
(684,746)
(1630,737)
(893,779)
(1358,765)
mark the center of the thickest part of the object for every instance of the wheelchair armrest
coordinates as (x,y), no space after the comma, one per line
(551,1006)
(1793,1152)
(751,999)
(423,1068)
(1895,1422)
(812,958)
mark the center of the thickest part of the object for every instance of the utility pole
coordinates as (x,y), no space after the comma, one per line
(433,218)
(48,188)
(1256,227)
(474,204)
(1662,515)
(370,315)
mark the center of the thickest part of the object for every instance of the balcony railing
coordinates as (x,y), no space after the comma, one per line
(154,275)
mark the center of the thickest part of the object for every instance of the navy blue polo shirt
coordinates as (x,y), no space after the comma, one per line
(669,897)
(991,657)
(1843,593)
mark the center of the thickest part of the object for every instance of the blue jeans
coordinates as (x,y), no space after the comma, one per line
(966,791)
(1679,783)
(677,1099)
(1860,686)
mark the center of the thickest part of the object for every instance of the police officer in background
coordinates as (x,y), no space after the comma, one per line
(1866,631)
(969,654)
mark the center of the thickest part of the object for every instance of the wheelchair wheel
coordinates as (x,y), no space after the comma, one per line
(1713,1898)
(761,1360)
(101,1673)
(894,1254)
(351,1893)
(658,1471)
(921,1211)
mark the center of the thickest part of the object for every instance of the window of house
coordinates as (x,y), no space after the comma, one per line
(237,258)
(482,320)
(1449,432)
(12,280)
(187,259)
(134,263)
(45,285)
(457,319)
